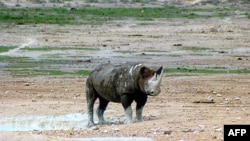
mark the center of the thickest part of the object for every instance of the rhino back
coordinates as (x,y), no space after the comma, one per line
(110,81)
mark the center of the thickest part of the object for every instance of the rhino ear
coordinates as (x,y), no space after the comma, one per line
(146,72)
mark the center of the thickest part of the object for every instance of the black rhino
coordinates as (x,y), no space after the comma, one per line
(123,84)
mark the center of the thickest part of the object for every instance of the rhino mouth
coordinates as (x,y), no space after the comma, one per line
(150,93)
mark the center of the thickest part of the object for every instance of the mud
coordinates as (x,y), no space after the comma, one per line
(173,43)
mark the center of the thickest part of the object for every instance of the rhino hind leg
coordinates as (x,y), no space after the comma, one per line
(101,109)
(91,97)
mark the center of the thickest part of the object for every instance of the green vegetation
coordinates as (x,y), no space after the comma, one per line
(153,50)
(24,66)
(246,1)
(52,65)
(55,48)
(99,15)
(125,51)
(197,49)
(83,72)
(53,72)
(56,72)
(6,48)
(13,59)
(206,71)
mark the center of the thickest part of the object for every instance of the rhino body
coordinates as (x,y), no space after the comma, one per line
(122,84)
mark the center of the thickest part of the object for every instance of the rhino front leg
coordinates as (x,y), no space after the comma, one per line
(140,102)
(101,109)
(91,96)
(126,103)
(139,114)
(128,115)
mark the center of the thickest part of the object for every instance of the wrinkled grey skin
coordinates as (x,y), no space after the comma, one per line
(122,84)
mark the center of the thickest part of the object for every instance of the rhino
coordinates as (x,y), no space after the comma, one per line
(123,84)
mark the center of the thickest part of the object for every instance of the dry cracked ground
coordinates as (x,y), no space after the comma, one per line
(191,106)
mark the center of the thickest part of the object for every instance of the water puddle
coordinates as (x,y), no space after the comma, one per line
(117,139)
(72,121)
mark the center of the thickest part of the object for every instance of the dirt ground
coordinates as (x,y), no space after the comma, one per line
(175,114)
(190,107)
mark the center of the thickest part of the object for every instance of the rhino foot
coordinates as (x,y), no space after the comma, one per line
(90,124)
(103,122)
(139,120)
(128,121)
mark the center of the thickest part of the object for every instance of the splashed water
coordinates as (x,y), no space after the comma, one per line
(14,52)
(74,121)
(42,123)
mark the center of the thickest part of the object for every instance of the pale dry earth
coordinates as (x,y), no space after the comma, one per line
(173,115)
(183,111)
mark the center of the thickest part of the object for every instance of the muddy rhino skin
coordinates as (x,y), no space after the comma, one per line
(122,84)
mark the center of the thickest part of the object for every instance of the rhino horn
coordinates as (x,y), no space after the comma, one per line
(159,72)
(155,81)
(156,75)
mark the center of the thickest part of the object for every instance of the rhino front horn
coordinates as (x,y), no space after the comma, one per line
(159,70)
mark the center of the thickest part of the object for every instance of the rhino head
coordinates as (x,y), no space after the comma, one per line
(151,81)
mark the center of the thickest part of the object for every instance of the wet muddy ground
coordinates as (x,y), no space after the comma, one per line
(192,106)
(219,43)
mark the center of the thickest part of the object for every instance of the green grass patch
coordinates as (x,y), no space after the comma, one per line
(125,51)
(25,66)
(28,72)
(196,49)
(89,15)
(13,59)
(246,1)
(46,72)
(83,72)
(35,72)
(26,62)
(152,50)
(206,71)
(6,48)
(56,48)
